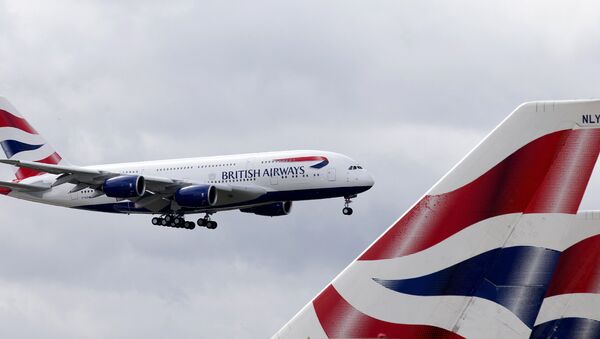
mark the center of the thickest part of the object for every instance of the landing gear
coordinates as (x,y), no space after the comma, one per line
(173,220)
(347,200)
(206,222)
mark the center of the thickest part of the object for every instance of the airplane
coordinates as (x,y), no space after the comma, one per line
(495,249)
(261,183)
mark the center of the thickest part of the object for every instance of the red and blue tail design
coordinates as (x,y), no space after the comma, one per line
(20,141)
(571,307)
(477,256)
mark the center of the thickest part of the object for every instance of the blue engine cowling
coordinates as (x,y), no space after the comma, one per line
(196,196)
(271,210)
(124,186)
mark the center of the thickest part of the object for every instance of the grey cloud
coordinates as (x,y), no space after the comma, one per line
(406,88)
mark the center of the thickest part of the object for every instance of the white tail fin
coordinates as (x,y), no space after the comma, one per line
(20,141)
(474,257)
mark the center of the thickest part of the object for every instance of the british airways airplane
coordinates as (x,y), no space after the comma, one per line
(496,249)
(260,183)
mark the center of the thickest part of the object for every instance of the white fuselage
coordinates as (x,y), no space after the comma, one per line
(285,176)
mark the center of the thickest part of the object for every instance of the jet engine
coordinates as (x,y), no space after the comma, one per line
(196,196)
(124,186)
(271,210)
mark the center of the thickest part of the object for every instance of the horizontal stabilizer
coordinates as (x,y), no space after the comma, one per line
(22,187)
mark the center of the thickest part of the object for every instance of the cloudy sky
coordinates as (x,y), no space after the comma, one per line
(405,87)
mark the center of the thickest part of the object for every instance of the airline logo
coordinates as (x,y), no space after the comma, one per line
(277,171)
(322,161)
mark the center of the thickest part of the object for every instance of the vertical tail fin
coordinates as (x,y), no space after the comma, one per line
(20,141)
(474,257)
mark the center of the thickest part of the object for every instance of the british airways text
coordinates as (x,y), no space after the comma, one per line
(267,172)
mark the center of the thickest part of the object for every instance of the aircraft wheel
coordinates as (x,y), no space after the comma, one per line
(164,222)
(347,211)
(178,222)
(155,221)
(211,225)
(190,225)
(202,222)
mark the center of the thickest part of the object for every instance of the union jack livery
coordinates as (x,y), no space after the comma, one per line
(20,141)
(496,249)
(261,183)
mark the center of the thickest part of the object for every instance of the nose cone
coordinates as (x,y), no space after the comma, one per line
(367,180)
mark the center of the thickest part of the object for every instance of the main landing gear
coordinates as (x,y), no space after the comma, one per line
(173,220)
(347,200)
(206,222)
(177,221)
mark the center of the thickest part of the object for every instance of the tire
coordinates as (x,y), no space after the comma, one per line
(163,222)
(347,211)
(211,225)
(201,222)
(155,221)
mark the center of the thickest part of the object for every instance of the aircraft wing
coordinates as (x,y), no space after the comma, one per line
(160,190)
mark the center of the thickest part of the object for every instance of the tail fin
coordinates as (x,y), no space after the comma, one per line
(474,257)
(20,141)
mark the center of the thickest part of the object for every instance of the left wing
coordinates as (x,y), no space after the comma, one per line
(22,187)
(159,190)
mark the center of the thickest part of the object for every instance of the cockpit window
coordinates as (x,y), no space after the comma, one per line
(352,168)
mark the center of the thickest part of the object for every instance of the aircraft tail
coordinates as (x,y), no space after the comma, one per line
(475,255)
(20,141)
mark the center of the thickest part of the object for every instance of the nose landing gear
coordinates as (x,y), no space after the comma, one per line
(347,210)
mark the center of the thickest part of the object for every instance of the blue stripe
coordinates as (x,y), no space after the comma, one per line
(567,328)
(12,147)
(321,164)
(514,277)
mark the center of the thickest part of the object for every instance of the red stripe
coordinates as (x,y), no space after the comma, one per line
(23,172)
(578,269)
(4,190)
(7,119)
(300,159)
(548,175)
(340,320)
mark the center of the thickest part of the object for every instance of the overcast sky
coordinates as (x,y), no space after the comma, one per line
(405,87)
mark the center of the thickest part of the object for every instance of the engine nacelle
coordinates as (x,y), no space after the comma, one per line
(271,210)
(196,196)
(124,186)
